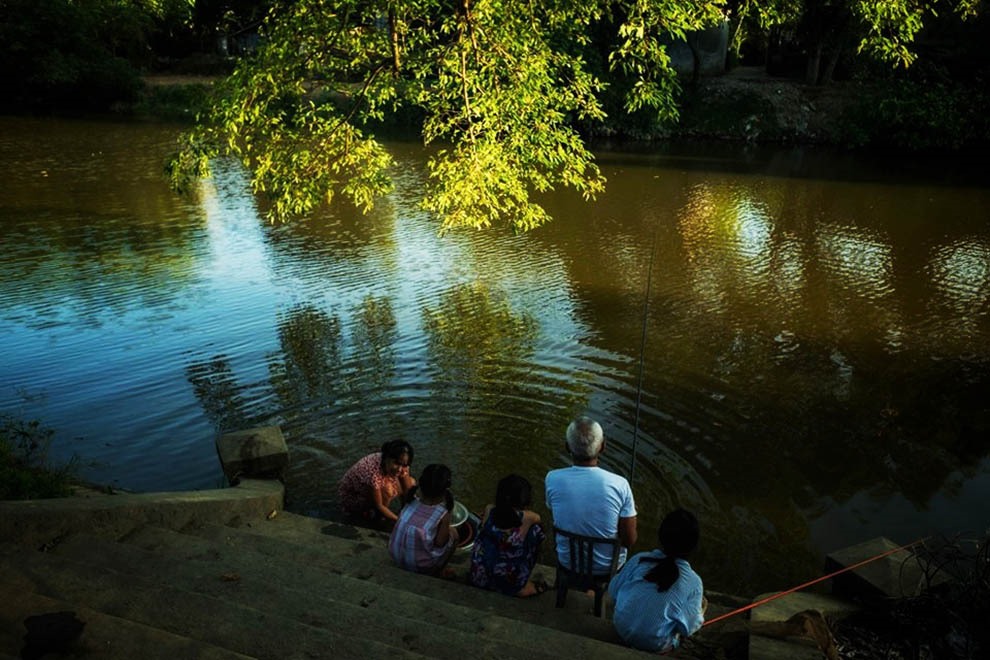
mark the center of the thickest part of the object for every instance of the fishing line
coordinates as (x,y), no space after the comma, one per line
(766,600)
(642,350)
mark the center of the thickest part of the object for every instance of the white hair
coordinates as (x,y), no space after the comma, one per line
(585,438)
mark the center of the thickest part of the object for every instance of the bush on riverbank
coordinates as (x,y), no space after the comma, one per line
(900,114)
(946,620)
(745,106)
(64,57)
(25,472)
(918,116)
(173,98)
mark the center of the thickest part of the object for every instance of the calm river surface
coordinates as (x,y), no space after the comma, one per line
(817,352)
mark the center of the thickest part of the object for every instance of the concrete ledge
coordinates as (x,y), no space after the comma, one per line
(896,575)
(258,453)
(36,522)
(766,648)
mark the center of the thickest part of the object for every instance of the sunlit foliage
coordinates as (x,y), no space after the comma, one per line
(499,84)
(882,29)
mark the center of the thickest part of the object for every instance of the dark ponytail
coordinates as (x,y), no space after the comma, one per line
(678,537)
(434,482)
(513,494)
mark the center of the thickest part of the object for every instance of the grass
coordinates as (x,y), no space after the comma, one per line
(179,102)
(25,472)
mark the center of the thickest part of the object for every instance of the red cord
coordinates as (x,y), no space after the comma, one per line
(815,581)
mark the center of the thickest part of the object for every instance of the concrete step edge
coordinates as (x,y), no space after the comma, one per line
(104,636)
(325,532)
(247,630)
(39,522)
(374,565)
(357,606)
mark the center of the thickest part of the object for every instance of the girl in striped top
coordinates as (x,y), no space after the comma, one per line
(423,539)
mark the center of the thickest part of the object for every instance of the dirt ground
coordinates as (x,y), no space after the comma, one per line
(168,80)
(748,104)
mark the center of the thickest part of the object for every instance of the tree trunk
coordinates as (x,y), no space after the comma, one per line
(814,64)
(695,61)
(830,64)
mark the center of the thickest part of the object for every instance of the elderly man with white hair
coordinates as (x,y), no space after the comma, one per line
(586,499)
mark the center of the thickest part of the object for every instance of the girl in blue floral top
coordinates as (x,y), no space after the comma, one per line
(508,542)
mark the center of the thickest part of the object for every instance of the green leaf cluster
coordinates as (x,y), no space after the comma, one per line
(885,29)
(500,84)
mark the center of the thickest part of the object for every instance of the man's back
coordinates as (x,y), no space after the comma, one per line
(588,500)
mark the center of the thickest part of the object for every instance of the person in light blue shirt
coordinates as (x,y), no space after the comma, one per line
(658,597)
(585,499)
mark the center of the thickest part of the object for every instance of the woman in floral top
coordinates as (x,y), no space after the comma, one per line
(508,542)
(371,484)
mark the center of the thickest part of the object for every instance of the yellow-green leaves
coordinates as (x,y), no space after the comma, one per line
(500,84)
(891,27)
(641,55)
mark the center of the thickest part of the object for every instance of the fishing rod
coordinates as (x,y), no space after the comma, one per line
(766,600)
(642,351)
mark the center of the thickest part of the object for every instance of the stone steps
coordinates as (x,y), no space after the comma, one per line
(285,587)
(214,620)
(105,637)
(300,592)
(222,577)
(362,554)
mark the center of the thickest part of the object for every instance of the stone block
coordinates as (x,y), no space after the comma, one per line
(767,648)
(259,453)
(897,575)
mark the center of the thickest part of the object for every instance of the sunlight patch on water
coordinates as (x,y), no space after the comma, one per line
(961,272)
(859,260)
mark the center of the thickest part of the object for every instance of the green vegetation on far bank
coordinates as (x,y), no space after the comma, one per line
(744,105)
(172,98)
(894,114)
(25,471)
(513,89)
(159,60)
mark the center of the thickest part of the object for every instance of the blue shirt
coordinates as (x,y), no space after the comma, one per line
(653,620)
(588,500)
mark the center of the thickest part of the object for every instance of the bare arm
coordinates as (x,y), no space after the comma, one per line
(529,518)
(627,531)
(406,482)
(444,531)
(378,496)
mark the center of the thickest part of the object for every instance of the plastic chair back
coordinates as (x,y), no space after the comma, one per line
(581,574)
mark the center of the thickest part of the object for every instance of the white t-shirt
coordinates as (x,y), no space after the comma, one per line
(590,501)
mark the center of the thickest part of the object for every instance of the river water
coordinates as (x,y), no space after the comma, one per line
(816,355)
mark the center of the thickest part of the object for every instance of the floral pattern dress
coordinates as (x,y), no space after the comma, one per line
(359,483)
(503,559)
